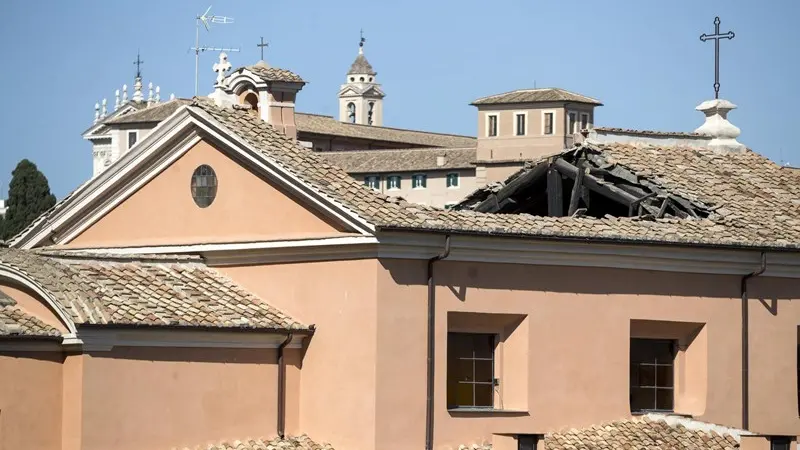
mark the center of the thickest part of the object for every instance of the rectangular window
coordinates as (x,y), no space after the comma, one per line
(470,370)
(652,375)
(452,180)
(584,121)
(572,122)
(520,125)
(393,182)
(527,442)
(780,443)
(133,136)
(373,182)
(491,126)
(548,123)
(419,181)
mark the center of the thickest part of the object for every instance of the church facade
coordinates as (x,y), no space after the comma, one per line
(222,285)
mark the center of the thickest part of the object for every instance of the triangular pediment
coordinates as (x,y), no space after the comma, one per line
(146,197)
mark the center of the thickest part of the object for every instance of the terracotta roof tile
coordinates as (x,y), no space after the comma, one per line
(269,74)
(401,160)
(536,96)
(327,125)
(131,290)
(633,132)
(14,322)
(152,114)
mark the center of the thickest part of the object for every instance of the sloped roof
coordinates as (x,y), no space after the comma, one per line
(268,74)
(15,323)
(301,442)
(361,66)
(327,125)
(152,114)
(401,160)
(536,96)
(632,132)
(175,291)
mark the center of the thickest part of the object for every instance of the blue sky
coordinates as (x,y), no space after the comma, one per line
(643,59)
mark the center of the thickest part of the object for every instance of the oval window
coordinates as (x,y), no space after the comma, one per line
(204,185)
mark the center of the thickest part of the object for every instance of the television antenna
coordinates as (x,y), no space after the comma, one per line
(206,19)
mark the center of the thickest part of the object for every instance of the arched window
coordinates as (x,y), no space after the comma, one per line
(351,112)
(252,100)
(369,113)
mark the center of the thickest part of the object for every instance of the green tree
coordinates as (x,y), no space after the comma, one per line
(28,197)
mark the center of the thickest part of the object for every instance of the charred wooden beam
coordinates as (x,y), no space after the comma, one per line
(595,184)
(555,199)
(492,203)
(576,190)
(663,209)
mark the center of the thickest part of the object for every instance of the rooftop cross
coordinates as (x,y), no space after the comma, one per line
(262,45)
(716,37)
(363,39)
(138,63)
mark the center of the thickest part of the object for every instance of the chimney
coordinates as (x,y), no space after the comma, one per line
(723,133)
(279,110)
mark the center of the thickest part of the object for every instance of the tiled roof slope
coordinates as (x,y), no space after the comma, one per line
(131,290)
(633,132)
(536,96)
(269,74)
(401,160)
(15,322)
(361,66)
(318,124)
(302,442)
(756,203)
(153,114)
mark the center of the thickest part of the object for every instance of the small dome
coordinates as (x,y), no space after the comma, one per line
(361,66)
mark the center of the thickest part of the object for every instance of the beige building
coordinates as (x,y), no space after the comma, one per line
(221,282)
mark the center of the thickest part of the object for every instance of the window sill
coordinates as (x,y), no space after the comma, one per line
(487,411)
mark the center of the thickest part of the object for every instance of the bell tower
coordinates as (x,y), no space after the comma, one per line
(361,97)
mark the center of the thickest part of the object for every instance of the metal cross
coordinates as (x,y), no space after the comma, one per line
(363,39)
(716,37)
(138,64)
(262,45)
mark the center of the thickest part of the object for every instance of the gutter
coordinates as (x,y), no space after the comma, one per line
(745,343)
(432,343)
(282,386)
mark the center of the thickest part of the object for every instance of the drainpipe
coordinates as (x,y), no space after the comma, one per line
(282,386)
(745,343)
(432,343)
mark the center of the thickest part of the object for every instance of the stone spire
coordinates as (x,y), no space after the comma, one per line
(723,133)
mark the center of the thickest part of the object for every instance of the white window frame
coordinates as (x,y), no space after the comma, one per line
(414,181)
(544,113)
(458,180)
(516,124)
(497,122)
(128,138)
(389,182)
(588,123)
(376,178)
(575,123)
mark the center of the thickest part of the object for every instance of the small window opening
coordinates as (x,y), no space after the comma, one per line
(652,375)
(204,186)
(470,370)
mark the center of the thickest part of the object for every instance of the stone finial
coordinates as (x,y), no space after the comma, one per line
(723,133)
(172,96)
(96,112)
(116,100)
(149,93)
(158,94)
(137,90)
(104,110)
(221,67)
(124,94)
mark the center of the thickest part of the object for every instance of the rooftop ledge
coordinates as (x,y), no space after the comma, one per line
(489,411)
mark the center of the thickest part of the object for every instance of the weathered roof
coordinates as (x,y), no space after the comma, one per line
(176,291)
(650,432)
(269,74)
(153,114)
(14,322)
(536,96)
(361,66)
(633,132)
(302,442)
(402,160)
(327,125)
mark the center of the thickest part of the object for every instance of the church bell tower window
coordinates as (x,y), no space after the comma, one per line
(370,112)
(351,112)
(204,186)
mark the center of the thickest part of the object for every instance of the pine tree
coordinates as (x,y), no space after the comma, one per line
(28,197)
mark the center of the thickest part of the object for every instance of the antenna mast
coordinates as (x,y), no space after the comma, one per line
(206,19)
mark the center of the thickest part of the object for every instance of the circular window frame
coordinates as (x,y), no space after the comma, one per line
(203,186)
